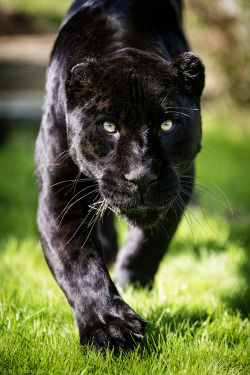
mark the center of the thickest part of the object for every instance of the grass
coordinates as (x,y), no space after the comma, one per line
(198,311)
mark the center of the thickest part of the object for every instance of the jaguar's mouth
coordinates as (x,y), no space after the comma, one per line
(143,215)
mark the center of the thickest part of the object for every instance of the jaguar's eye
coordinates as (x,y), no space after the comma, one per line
(167,126)
(109,127)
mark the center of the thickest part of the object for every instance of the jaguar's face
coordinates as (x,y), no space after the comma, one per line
(134,126)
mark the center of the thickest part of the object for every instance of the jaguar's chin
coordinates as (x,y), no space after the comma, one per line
(143,216)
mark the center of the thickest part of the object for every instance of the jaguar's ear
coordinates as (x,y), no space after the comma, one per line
(75,75)
(80,79)
(190,71)
(82,73)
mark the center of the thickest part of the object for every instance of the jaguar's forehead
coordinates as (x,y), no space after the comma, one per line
(126,100)
(136,81)
(125,77)
(133,81)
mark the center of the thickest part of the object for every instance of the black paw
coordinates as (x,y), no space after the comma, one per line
(120,329)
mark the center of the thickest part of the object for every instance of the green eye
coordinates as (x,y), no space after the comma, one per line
(166,126)
(109,127)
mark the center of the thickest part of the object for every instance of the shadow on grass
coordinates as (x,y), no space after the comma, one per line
(162,327)
(239,235)
(239,300)
(182,320)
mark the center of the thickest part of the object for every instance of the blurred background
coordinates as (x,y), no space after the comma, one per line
(218,31)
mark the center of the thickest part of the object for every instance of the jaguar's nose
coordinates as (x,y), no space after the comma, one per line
(141,180)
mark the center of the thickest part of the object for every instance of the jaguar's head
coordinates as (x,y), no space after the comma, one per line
(134,125)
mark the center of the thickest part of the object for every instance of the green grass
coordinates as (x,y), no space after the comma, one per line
(198,310)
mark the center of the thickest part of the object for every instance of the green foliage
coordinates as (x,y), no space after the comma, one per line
(198,310)
(224,159)
(52,10)
(18,197)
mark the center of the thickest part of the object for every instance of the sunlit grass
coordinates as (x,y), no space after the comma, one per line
(196,318)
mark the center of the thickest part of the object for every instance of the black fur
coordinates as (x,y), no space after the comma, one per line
(125,62)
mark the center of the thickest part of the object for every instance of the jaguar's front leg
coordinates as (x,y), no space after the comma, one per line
(75,258)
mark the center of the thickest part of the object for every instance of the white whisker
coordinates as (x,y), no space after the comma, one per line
(65,210)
